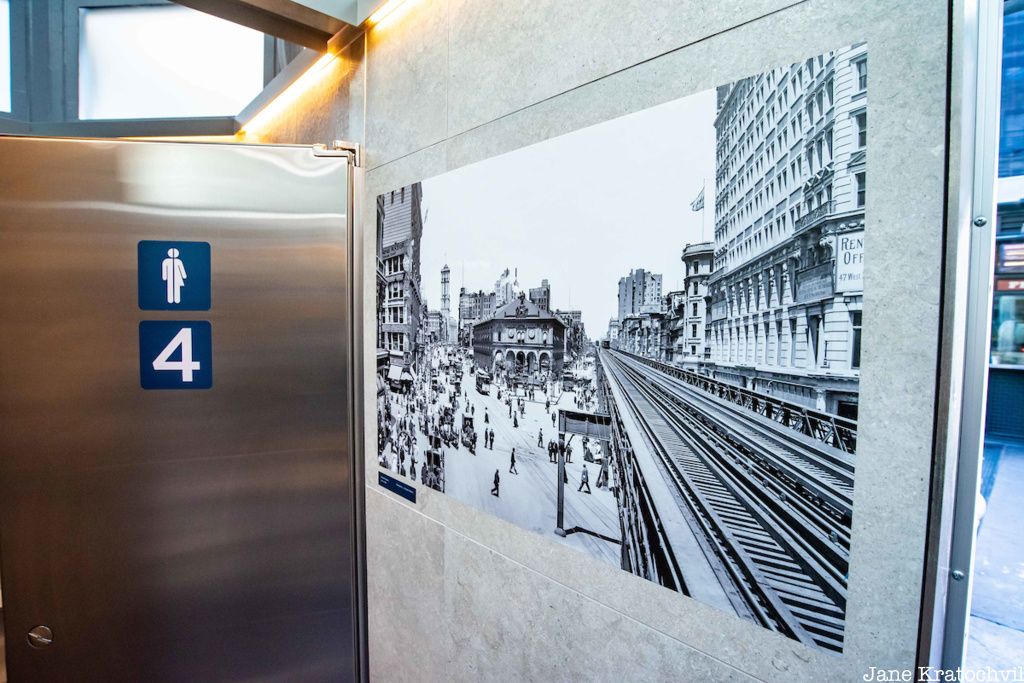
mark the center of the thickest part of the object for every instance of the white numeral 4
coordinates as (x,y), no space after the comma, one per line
(186,365)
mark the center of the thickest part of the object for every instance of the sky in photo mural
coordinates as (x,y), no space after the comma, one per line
(642,339)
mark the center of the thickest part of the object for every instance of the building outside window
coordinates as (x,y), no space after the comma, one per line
(862,74)
(861,188)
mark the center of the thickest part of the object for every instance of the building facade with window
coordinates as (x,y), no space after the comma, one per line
(786,292)
(520,338)
(541,295)
(639,292)
(473,307)
(675,326)
(645,334)
(575,332)
(692,343)
(401,230)
(506,287)
(613,333)
(433,328)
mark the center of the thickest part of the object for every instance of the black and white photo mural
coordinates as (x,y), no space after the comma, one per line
(642,340)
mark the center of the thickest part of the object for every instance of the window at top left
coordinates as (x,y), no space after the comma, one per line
(5,56)
(164,61)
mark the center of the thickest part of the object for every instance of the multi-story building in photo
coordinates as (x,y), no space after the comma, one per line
(639,292)
(575,333)
(446,302)
(675,327)
(697,263)
(520,338)
(645,334)
(643,315)
(786,293)
(383,362)
(613,333)
(473,307)
(433,327)
(401,229)
(506,288)
(541,295)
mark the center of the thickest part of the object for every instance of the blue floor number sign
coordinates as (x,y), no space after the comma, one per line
(176,354)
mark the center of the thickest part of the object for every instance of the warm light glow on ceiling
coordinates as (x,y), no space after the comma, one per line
(288,97)
(387,11)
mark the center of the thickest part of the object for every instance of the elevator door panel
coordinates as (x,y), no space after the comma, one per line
(173,531)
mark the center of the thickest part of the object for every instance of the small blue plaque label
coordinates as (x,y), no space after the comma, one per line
(174,276)
(176,354)
(396,486)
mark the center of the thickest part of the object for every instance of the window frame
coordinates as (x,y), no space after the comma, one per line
(862,132)
(45,37)
(11,121)
(858,64)
(71,44)
(856,338)
(72,28)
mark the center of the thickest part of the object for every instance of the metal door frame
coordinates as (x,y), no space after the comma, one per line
(357,415)
(353,151)
(973,137)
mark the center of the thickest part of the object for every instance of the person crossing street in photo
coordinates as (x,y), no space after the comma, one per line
(584,480)
(512,467)
(497,483)
(540,438)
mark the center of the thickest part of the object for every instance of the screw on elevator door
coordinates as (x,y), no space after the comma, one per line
(980,221)
(958,575)
(40,636)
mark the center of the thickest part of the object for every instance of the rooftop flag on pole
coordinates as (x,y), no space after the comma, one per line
(698,203)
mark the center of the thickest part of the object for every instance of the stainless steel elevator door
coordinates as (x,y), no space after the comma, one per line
(175,535)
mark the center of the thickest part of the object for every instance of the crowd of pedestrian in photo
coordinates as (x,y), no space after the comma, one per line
(430,407)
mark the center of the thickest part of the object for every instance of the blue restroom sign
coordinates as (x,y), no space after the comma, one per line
(174,276)
(176,354)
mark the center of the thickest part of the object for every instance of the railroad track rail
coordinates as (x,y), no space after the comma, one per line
(818,474)
(773,517)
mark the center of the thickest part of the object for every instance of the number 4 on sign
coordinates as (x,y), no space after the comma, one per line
(186,365)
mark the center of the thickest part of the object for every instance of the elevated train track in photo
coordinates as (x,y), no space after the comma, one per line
(769,501)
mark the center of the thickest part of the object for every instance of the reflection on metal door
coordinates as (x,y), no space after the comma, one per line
(196,535)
